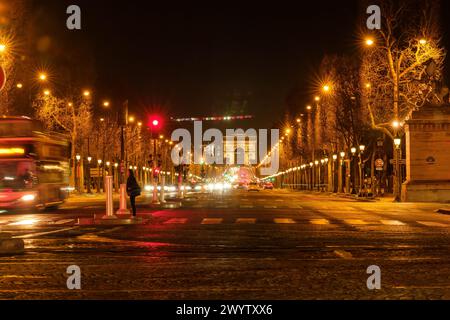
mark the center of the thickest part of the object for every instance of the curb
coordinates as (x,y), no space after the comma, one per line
(9,246)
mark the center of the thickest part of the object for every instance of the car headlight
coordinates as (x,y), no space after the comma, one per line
(28,197)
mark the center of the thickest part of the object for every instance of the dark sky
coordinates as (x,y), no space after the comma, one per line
(191,57)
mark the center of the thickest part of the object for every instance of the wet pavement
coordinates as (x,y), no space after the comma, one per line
(237,245)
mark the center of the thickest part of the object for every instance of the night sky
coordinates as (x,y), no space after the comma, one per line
(196,58)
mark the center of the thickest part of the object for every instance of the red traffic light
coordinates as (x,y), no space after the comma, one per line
(155,122)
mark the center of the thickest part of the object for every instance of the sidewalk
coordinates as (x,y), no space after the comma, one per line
(385,198)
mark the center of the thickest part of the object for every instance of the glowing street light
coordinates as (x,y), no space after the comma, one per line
(47,92)
(2,48)
(423,41)
(86,93)
(342,154)
(131,119)
(78,157)
(395,124)
(370,42)
(353,150)
(326,88)
(309,108)
(397,143)
(362,148)
(317,98)
(106,104)
(42,76)
(19,86)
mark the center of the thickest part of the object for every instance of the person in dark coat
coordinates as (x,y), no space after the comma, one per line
(133,190)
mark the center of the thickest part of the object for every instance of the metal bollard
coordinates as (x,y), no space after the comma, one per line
(109,198)
(123,201)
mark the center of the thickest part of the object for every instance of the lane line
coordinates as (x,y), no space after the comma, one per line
(65,221)
(433,224)
(343,254)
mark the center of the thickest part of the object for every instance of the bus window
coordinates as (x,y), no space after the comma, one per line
(16,175)
(51,173)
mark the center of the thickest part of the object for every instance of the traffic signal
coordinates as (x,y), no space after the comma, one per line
(155,123)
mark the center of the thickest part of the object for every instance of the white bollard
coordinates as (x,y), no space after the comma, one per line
(123,200)
(109,199)
(161,194)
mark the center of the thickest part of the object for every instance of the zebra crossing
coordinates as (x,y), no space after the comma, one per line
(314,222)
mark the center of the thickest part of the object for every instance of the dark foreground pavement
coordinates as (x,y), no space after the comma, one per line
(268,245)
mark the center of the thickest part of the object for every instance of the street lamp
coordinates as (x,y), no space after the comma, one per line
(369,42)
(361,171)
(397,143)
(77,157)
(99,162)
(353,151)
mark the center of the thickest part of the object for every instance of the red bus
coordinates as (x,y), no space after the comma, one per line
(34,165)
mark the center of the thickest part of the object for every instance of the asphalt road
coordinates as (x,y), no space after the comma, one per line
(237,245)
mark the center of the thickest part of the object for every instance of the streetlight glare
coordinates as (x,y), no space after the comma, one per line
(86,93)
(106,104)
(42,76)
(47,92)
(326,88)
(423,41)
(19,86)
(2,48)
(317,98)
(370,42)
(395,124)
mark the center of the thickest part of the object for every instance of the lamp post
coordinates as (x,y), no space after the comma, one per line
(99,162)
(341,173)
(89,159)
(333,174)
(317,169)
(353,151)
(77,160)
(311,178)
(397,143)
(361,164)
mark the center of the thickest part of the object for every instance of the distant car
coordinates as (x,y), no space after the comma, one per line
(254,186)
(268,186)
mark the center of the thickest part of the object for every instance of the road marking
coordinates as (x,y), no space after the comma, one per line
(433,224)
(343,254)
(279,200)
(212,221)
(44,233)
(222,207)
(176,221)
(357,222)
(284,221)
(295,207)
(26,222)
(270,207)
(392,223)
(246,221)
(65,221)
(246,207)
(319,221)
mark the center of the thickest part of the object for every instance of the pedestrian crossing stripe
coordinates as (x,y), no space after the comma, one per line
(246,207)
(212,221)
(392,223)
(176,221)
(284,221)
(319,221)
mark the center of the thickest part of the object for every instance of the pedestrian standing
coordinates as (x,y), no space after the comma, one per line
(133,190)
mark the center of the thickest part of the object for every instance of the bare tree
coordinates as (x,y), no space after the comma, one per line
(71,116)
(404,64)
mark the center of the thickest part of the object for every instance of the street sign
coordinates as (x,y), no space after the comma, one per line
(2,78)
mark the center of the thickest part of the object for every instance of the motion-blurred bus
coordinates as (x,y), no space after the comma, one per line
(34,167)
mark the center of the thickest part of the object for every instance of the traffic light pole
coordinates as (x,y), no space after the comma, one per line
(154,174)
